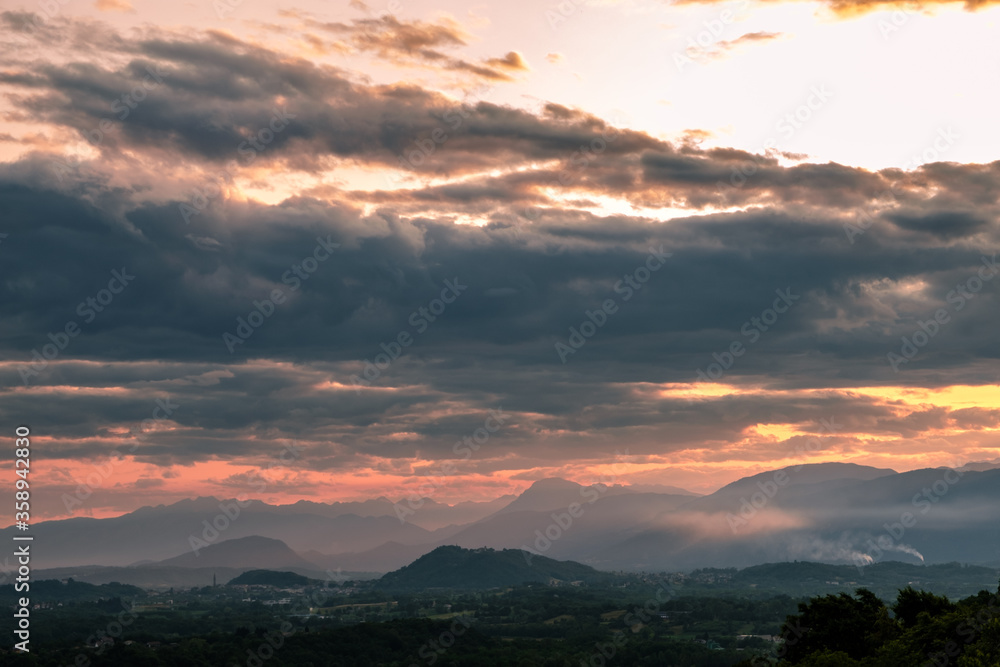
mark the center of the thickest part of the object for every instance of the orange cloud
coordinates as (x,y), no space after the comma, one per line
(513,60)
(114,5)
(854,7)
(409,43)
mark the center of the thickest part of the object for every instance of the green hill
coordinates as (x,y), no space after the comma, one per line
(455,567)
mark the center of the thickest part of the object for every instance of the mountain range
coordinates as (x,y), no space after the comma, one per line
(828,512)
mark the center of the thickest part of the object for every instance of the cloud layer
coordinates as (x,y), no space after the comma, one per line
(319,221)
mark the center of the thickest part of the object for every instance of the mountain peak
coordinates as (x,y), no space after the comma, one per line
(252,551)
(552,483)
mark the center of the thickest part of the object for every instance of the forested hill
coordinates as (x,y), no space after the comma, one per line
(458,568)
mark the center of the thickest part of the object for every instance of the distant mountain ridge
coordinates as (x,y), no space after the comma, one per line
(827,512)
(981,466)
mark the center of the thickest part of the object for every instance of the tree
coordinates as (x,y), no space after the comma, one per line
(840,623)
(985,652)
(830,659)
(910,603)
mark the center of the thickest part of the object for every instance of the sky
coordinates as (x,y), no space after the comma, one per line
(337,251)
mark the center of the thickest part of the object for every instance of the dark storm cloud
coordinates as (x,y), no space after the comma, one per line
(944,226)
(247,412)
(209,97)
(526,286)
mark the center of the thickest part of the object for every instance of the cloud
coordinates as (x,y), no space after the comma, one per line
(512,61)
(944,226)
(414,44)
(543,253)
(214,94)
(114,5)
(723,48)
(853,7)
(759,36)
